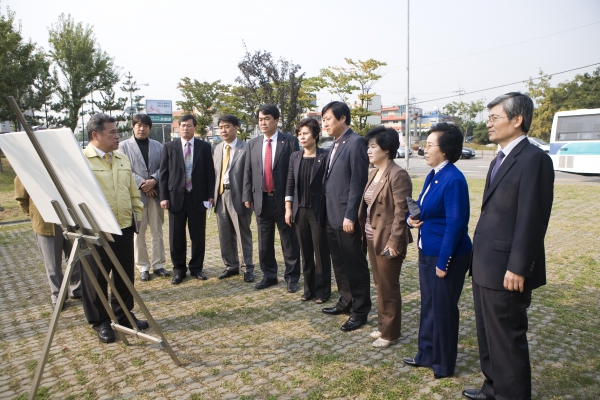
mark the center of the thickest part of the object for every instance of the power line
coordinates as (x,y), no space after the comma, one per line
(508,84)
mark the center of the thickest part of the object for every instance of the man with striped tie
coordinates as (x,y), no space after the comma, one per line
(187,176)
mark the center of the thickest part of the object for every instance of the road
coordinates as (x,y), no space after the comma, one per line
(478,166)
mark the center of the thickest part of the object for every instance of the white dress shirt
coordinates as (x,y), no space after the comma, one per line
(231,148)
(506,150)
(273,148)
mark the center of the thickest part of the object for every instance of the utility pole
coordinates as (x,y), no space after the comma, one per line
(407,118)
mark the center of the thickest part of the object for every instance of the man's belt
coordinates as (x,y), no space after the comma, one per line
(226,186)
(270,194)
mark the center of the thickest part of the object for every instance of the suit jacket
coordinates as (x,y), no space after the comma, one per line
(172,174)
(445,213)
(253,177)
(514,218)
(345,184)
(388,210)
(237,161)
(316,180)
(141,171)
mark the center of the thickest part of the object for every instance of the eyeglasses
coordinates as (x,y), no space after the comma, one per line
(493,118)
(429,145)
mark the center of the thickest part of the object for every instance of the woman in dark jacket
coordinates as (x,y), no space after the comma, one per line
(382,215)
(302,200)
(444,250)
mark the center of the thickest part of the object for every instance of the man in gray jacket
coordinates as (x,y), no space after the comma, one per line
(233,218)
(144,155)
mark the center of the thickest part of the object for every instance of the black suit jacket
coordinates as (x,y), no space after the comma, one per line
(344,186)
(514,218)
(172,174)
(316,180)
(253,177)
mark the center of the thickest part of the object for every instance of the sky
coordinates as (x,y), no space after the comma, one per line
(465,45)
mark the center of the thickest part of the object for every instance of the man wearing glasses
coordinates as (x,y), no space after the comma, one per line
(508,249)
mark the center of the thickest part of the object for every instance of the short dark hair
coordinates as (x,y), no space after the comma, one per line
(268,109)
(143,119)
(386,138)
(232,119)
(338,109)
(187,117)
(96,123)
(516,103)
(311,124)
(450,140)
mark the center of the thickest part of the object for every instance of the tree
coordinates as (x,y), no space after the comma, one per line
(130,86)
(464,114)
(480,133)
(266,81)
(582,92)
(45,86)
(21,63)
(357,75)
(80,66)
(200,100)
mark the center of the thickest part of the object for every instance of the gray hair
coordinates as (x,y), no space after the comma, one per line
(516,103)
(96,123)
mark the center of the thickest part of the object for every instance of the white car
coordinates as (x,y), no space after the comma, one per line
(539,143)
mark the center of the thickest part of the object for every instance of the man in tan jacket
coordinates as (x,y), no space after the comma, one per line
(52,244)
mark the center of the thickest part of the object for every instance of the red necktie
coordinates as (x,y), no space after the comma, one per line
(269,186)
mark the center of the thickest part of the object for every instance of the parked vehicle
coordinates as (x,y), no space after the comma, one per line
(402,152)
(539,143)
(467,153)
(326,145)
(469,139)
(421,151)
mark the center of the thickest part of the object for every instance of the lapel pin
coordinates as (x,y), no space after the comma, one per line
(436,181)
(344,142)
(319,160)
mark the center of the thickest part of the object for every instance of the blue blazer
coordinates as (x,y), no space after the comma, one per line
(445,214)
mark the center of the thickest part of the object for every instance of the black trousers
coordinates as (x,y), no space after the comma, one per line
(315,255)
(351,271)
(266,221)
(196,224)
(95,313)
(501,318)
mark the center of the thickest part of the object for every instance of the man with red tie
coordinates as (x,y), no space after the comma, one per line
(265,178)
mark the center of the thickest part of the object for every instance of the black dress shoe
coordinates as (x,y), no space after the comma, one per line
(63,307)
(334,311)
(75,297)
(265,283)
(436,376)
(162,272)
(292,287)
(144,276)
(141,325)
(177,279)
(474,394)
(411,362)
(199,275)
(105,334)
(352,324)
(228,272)
(249,277)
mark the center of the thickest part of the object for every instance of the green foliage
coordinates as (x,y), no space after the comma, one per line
(130,86)
(464,114)
(80,66)
(582,92)
(480,134)
(200,98)
(20,64)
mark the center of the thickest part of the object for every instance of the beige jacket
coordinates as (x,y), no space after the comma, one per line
(40,226)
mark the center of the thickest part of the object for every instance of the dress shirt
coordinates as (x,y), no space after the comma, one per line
(436,169)
(506,150)
(336,143)
(273,148)
(183,142)
(102,153)
(231,147)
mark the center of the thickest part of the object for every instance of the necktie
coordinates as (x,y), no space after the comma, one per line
(269,185)
(224,167)
(187,158)
(497,165)
(107,158)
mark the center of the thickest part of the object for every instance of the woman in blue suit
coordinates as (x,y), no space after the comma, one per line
(444,250)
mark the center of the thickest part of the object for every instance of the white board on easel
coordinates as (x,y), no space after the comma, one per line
(71,168)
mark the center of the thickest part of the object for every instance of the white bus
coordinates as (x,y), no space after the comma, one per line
(575,141)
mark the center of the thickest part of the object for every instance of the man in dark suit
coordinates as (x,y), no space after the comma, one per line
(264,189)
(187,181)
(233,218)
(343,185)
(508,249)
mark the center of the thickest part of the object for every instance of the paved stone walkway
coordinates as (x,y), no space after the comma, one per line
(237,342)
